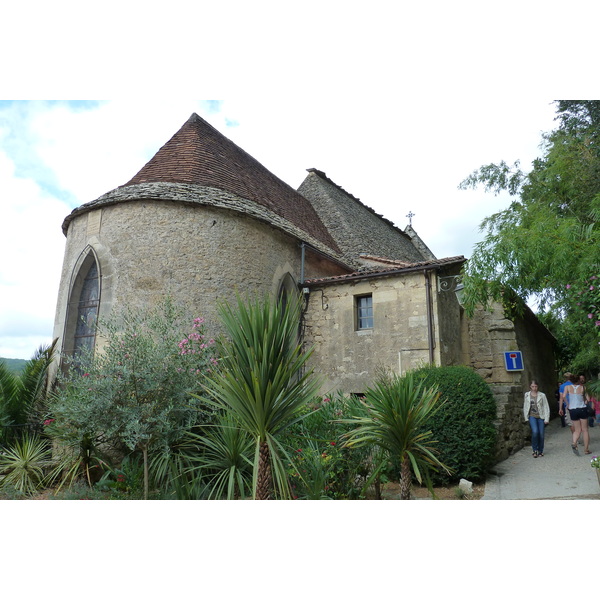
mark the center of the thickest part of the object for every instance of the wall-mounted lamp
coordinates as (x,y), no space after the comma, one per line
(452,283)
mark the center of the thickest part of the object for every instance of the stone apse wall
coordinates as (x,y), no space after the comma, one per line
(198,255)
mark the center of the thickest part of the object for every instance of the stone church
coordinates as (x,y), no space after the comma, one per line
(203,220)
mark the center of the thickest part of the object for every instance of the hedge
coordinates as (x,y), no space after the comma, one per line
(464,425)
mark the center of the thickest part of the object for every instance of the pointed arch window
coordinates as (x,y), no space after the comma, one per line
(287,290)
(83,306)
(87,311)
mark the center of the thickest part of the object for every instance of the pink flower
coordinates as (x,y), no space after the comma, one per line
(568,286)
(597,323)
(86,375)
(592,287)
(48,421)
(590,316)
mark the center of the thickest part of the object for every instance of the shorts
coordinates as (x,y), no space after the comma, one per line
(577,414)
(568,421)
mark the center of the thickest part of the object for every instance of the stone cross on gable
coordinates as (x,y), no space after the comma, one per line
(410,215)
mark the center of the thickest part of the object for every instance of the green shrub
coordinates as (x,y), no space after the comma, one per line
(464,425)
(321,468)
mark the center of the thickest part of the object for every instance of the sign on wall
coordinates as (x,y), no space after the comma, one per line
(513,360)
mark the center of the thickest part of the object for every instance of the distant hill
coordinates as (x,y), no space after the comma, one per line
(14,364)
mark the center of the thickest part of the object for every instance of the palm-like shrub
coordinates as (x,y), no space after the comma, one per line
(397,412)
(262,383)
(220,458)
(23,465)
(23,398)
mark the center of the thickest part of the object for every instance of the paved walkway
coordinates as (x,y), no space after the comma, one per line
(558,475)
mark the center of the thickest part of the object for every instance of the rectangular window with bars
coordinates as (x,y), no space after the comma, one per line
(364,312)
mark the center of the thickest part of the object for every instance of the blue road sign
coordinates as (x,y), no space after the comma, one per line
(513,360)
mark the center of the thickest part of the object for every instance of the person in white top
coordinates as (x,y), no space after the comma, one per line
(537,412)
(577,400)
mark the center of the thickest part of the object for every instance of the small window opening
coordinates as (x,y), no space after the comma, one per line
(364,312)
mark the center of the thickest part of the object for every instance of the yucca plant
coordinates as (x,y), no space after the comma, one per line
(23,465)
(263,383)
(397,411)
(222,458)
(77,456)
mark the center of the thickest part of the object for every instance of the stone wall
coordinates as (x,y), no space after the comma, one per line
(349,360)
(490,334)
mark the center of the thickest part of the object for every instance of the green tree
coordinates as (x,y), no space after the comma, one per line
(398,410)
(547,238)
(263,383)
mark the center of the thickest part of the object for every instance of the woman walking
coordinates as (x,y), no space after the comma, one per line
(577,399)
(537,412)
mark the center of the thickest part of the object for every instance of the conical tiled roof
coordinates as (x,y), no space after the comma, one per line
(200,155)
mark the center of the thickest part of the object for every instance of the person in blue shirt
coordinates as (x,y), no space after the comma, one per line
(565,419)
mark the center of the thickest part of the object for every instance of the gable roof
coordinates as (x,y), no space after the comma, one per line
(357,228)
(198,156)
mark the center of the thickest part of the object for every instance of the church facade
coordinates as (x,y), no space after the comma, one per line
(203,221)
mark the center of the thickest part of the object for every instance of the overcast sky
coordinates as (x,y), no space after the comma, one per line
(396,155)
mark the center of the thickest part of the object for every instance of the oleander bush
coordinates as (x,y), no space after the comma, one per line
(133,398)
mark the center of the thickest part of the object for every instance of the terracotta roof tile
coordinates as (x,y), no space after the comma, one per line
(398,268)
(198,154)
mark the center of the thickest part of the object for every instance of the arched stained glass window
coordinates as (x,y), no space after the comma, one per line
(87,311)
